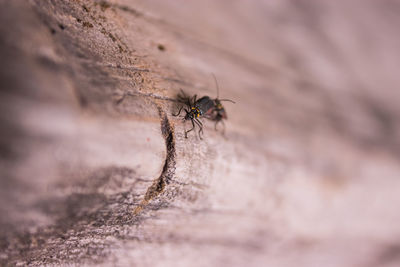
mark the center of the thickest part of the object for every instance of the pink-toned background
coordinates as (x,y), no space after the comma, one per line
(307,174)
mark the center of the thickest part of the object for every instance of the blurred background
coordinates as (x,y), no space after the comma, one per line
(94,169)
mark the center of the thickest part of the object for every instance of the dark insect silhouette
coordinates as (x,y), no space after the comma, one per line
(218,112)
(206,107)
(195,109)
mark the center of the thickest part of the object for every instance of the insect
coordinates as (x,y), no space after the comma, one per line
(206,107)
(218,113)
(196,108)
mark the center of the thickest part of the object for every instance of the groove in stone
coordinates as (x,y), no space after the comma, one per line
(168,171)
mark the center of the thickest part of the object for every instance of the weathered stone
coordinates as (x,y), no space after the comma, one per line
(95,170)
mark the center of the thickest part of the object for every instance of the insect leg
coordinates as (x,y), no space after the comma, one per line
(187,111)
(194,99)
(223,124)
(200,127)
(223,129)
(186,132)
(189,102)
(179,112)
(199,122)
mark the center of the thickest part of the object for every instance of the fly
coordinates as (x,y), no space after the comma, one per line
(218,112)
(195,109)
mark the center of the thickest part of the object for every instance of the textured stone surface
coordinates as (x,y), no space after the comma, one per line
(96,171)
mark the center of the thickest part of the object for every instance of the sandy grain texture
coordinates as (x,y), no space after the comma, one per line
(96,171)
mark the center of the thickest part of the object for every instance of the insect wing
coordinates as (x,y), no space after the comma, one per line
(205,105)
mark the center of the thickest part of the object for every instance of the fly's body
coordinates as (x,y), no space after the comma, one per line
(206,107)
(196,108)
(218,113)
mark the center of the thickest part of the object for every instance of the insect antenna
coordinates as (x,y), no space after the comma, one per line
(216,83)
(227,100)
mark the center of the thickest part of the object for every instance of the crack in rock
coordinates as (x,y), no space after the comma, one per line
(168,171)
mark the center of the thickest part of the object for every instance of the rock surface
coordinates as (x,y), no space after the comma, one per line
(96,171)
